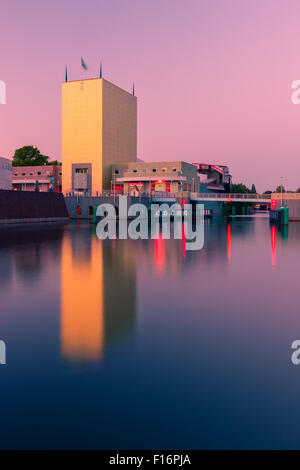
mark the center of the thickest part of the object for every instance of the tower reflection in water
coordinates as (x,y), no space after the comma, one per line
(98,295)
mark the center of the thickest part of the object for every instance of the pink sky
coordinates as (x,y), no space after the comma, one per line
(213,77)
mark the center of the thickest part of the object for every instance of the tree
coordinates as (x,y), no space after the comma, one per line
(240,188)
(253,189)
(29,156)
(298,190)
(267,192)
(278,189)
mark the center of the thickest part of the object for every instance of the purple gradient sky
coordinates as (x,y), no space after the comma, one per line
(213,77)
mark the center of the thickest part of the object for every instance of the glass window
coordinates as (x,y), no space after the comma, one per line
(154,170)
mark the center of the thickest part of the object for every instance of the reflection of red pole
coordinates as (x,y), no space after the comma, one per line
(228,242)
(183,241)
(159,253)
(273,245)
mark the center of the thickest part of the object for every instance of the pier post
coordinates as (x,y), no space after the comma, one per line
(94,214)
(285,214)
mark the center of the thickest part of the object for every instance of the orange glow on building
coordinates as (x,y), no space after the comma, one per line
(99,127)
(82,303)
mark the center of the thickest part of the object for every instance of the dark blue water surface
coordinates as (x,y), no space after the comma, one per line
(142,344)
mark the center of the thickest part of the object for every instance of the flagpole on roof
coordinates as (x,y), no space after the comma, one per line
(83,66)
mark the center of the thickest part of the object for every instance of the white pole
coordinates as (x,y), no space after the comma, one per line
(114,188)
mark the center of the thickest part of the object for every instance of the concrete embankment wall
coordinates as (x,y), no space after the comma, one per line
(87,203)
(290,200)
(27,206)
(294,209)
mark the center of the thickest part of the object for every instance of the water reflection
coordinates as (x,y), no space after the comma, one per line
(273,245)
(27,250)
(142,319)
(120,291)
(81,299)
(98,294)
(228,242)
(159,253)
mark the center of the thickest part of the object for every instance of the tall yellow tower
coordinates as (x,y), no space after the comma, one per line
(99,128)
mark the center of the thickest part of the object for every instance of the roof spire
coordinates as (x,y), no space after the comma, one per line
(66,74)
(100,69)
(133,89)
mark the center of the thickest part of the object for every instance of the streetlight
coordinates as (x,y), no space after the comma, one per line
(181,181)
(281,177)
(286,180)
(281,187)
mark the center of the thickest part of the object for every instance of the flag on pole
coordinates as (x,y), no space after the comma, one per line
(83,64)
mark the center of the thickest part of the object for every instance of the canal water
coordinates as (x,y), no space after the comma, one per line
(143,344)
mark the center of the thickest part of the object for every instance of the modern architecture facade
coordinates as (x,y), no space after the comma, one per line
(99,127)
(48,178)
(145,177)
(5,173)
(216,177)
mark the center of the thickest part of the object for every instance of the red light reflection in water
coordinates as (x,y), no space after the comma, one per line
(228,242)
(273,245)
(159,249)
(183,241)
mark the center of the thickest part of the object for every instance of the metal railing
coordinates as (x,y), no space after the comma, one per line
(285,196)
(231,196)
(163,194)
(184,194)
